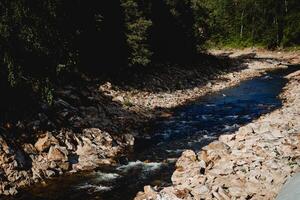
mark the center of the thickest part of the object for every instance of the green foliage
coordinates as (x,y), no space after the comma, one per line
(292,30)
(137,28)
(253,22)
(41,41)
(31,42)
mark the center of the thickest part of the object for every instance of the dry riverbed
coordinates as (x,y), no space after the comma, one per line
(252,163)
(105,118)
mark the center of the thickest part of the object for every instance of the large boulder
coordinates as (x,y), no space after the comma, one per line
(187,168)
(95,147)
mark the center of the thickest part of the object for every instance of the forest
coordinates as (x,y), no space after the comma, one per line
(43,42)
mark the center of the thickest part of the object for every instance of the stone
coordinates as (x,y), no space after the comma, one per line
(223,194)
(148,194)
(45,142)
(64,166)
(227,138)
(202,165)
(29,149)
(186,158)
(50,173)
(223,167)
(235,191)
(118,99)
(129,139)
(13,191)
(95,147)
(4,146)
(57,153)
(168,193)
(245,130)
(203,189)
(262,127)
(214,151)
(52,165)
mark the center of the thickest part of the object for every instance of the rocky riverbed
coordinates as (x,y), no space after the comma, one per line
(92,125)
(251,63)
(252,163)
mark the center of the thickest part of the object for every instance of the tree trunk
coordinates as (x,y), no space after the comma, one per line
(286,5)
(281,7)
(242,24)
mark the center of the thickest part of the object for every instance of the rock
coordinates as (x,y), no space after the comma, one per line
(227,138)
(245,130)
(20,158)
(29,149)
(129,139)
(58,153)
(202,165)
(50,173)
(13,191)
(52,165)
(182,193)
(223,194)
(223,167)
(200,191)
(186,158)
(64,166)
(45,142)
(95,147)
(118,99)
(235,191)
(148,194)
(187,166)
(214,151)
(262,127)
(4,146)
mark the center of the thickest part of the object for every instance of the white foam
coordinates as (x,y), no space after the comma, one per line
(175,151)
(230,128)
(106,176)
(204,117)
(93,188)
(209,137)
(246,117)
(210,105)
(232,116)
(151,166)
(267,77)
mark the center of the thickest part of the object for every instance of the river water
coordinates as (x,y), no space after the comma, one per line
(152,162)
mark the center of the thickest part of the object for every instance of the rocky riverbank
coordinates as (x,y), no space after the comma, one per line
(249,63)
(92,124)
(252,163)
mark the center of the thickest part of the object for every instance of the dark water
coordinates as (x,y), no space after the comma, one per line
(191,127)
